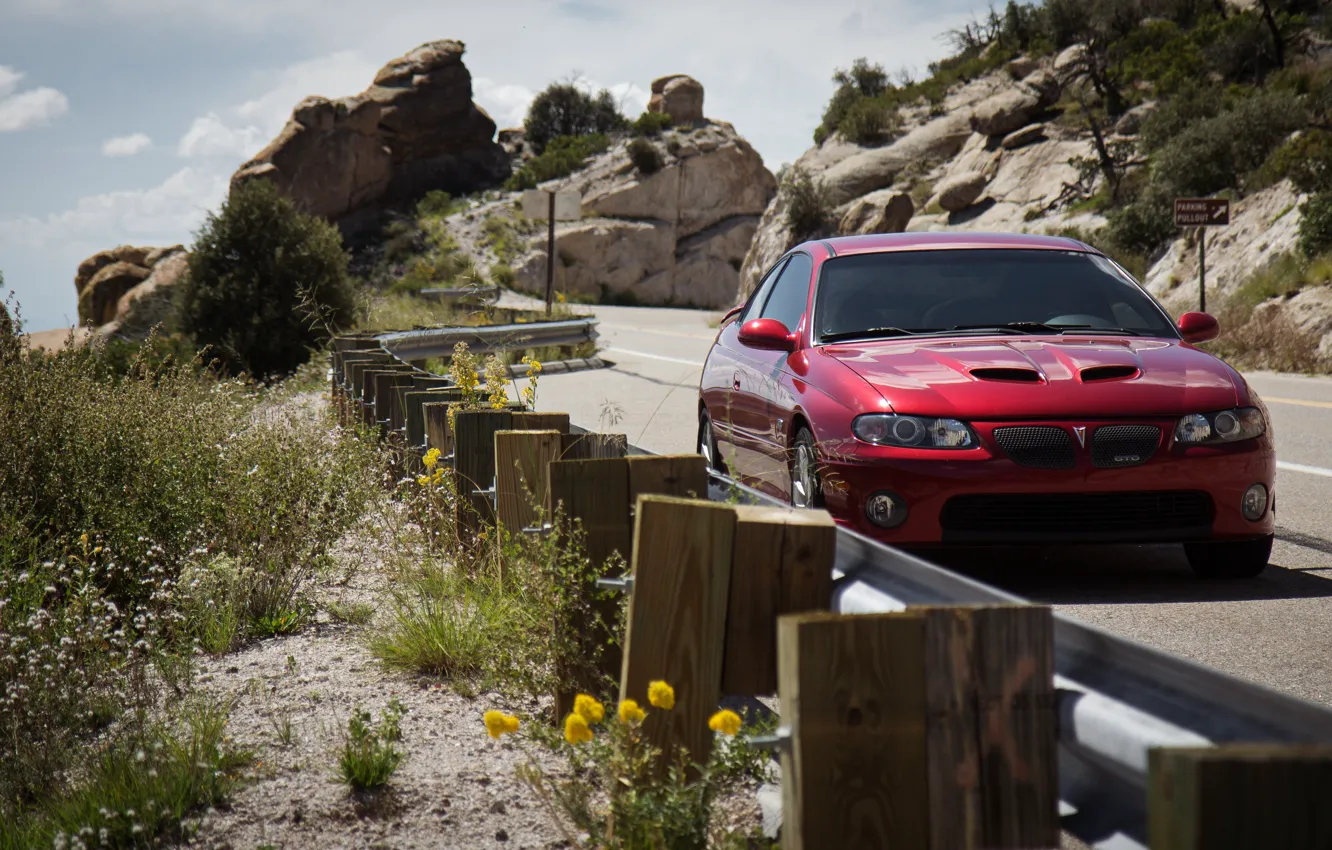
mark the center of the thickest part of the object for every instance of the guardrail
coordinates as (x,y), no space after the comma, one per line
(1117,700)
(417,345)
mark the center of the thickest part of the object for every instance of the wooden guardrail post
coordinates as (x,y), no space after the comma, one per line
(532,420)
(522,463)
(474,464)
(593,446)
(782,564)
(1239,796)
(936,727)
(677,616)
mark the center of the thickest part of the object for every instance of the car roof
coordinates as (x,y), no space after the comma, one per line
(840,246)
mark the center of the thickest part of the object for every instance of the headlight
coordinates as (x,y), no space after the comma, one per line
(1226,426)
(889,429)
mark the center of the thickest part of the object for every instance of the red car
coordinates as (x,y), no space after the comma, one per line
(948,388)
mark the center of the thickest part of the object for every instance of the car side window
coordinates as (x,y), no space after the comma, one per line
(761,293)
(790,293)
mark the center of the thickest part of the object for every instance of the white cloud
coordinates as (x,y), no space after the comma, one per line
(126,145)
(32,108)
(505,102)
(9,79)
(208,136)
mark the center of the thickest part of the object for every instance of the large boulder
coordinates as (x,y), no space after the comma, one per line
(679,96)
(98,300)
(1130,123)
(132,254)
(878,212)
(149,304)
(607,259)
(959,191)
(1308,311)
(414,130)
(878,168)
(1002,113)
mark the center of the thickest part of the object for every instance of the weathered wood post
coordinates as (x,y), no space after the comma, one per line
(474,464)
(522,463)
(1239,796)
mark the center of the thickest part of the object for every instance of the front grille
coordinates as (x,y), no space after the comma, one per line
(1124,445)
(1165,516)
(1039,446)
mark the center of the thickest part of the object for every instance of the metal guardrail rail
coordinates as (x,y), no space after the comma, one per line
(439,342)
(1117,698)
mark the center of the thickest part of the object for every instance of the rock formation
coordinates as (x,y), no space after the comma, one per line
(679,96)
(414,130)
(673,237)
(128,289)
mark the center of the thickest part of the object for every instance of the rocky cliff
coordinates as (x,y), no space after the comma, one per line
(128,289)
(414,130)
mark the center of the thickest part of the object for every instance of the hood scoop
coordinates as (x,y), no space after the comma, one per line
(1007,373)
(1093,374)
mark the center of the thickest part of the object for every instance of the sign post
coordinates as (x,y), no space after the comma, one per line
(552,205)
(1202,213)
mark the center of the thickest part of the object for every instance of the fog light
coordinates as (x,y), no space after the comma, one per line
(1254,503)
(886,509)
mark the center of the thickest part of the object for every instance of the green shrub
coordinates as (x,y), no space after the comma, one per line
(503,274)
(645,156)
(439,204)
(266,283)
(869,120)
(1194,102)
(809,209)
(562,156)
(1316,224)
(564,109)
(368,757)
(1306,160)
(651,123)
(1141,226)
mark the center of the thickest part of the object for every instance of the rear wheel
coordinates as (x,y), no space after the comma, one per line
(707,443)
(1229,558)
(806,488)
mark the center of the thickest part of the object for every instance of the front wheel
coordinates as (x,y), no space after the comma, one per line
(1229,558)
(806,488)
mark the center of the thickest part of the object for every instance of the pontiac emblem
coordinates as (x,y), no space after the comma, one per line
(1081,433)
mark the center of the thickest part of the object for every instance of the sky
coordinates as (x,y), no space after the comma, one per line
(121,121)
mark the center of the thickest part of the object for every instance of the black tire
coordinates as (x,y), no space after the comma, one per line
(707,443)
(806,486)
(1229,558)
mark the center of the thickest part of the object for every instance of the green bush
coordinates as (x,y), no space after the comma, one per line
(1306,160)
(1141,226)
(651,123)
(368,758)
(562,156)
(809,210)
(503,274)
(869,120)
(439,204)
(564,109)
(1316,224)
(266,283)
(645,156)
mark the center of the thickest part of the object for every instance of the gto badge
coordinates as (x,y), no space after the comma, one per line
(1081,433)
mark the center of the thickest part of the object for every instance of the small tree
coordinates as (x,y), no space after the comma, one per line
(266,283)
(564,109)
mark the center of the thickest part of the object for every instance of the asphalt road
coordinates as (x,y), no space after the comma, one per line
(1275,629)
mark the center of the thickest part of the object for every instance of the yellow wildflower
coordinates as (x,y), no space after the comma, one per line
(559,296)
(630,713)
(725,721)
(422,480)
(591,710)
(498,723)
(576,729)
(661,695)
(431,458)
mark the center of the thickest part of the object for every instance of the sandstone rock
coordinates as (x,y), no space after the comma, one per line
(1070,60)
(131,254)
(607,259)
(1025,136)
(772,239)
(156,255)
(878,212)
(679,96)
(1005,112)
(1130,123)
(959,192)
(878,167)
(705,264)
(415,129)
(149,303)
(97,301)
(1021,66)
(1046,85)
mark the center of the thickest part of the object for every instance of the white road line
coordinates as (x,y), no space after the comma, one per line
(655,356)
(1299,467)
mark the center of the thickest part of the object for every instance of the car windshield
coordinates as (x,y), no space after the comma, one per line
(961,291)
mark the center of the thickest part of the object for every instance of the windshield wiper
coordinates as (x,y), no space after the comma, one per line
(1041,327)
(873,332)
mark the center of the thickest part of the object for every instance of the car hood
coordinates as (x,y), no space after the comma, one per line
(1041,377)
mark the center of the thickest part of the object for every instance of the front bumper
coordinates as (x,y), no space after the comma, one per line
(983,496)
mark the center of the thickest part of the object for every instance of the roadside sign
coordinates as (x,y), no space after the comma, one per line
(1202,212)
(568,204)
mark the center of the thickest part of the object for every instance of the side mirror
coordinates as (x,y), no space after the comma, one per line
(1198,327)
(767,334)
